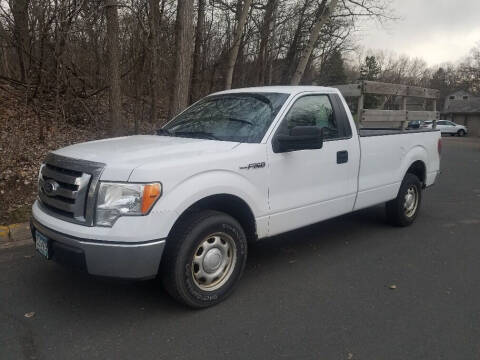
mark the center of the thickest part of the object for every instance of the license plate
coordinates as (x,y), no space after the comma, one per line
(41,244)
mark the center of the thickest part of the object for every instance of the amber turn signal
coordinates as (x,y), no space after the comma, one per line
(151,193)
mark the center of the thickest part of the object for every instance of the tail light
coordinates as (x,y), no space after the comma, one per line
(439,146)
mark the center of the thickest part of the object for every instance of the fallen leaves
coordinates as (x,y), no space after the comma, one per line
(30,314)
(22,151)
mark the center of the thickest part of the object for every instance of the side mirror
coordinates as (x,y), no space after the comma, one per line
(300,138)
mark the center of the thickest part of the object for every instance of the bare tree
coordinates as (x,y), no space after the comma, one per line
(469,71)
(4,55)
(20,16)
(113,48)
(323,14)
(183,59)
(74,64)
(233,54)
(294,44)
(265,32)
(198,51)
(154,19)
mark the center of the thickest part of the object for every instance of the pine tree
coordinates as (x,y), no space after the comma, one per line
(333,70)
(370,71)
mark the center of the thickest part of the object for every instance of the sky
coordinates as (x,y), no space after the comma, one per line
(439,31)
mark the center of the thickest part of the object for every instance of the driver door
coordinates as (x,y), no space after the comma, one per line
(307,186)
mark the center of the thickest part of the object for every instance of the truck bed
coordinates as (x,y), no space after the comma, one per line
(385,160)
(380,131)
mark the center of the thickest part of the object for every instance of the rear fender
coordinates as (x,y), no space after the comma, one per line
(417,153)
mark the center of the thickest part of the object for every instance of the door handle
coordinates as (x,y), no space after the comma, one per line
(342,157)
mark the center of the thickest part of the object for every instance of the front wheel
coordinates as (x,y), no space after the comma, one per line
(461,132)
(204,258)
(403,210)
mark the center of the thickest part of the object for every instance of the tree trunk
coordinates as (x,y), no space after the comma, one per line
(154,17)
(198,52)
(183,57)
(113,49)
(292,49)
(324,14)
(20,16)
(265,31)
(240,79)
(4,55)
(232,56)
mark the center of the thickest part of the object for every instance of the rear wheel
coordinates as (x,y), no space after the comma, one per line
(461,132)
(204,258)
(403,210)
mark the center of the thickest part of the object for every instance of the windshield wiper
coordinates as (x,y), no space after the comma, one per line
(263,99)
(256,96)
(194,134)
(163,131)
(240,120)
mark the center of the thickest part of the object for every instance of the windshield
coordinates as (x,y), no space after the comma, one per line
(239,117)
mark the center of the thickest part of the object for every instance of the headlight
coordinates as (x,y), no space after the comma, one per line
(119,199)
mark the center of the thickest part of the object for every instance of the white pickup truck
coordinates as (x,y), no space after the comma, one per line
(237,166)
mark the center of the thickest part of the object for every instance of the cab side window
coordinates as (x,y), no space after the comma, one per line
(312,110)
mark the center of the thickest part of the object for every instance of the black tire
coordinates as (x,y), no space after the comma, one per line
(183,246)
(461,132)
(397,212)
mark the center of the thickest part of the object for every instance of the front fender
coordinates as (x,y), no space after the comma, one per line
(183,195)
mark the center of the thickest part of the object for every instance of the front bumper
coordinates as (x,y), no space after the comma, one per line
(128,260)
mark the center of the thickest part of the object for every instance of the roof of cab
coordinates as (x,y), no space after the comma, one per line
(281,89)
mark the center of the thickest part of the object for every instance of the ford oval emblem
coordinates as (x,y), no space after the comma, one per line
(50,187)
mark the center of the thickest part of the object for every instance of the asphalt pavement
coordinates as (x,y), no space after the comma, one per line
(349,288)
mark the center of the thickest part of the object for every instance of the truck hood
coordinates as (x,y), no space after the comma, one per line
(122,155)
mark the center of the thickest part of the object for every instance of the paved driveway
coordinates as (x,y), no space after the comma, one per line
(319,293)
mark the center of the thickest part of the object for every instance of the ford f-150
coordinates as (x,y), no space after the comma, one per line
(235,167)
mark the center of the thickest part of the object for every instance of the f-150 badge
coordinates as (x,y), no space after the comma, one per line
(253,166)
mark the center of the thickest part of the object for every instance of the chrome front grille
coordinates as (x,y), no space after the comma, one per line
(67,188)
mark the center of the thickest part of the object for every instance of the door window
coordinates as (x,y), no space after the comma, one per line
(312,110)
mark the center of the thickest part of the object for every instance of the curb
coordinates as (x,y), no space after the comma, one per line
(13,244)
(15,235)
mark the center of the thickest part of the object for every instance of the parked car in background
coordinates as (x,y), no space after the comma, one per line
(449,127)
(415,124)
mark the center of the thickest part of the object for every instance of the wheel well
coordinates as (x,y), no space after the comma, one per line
(418,168)
(231,205)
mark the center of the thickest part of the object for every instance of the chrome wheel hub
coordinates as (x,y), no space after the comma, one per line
(214,261)
(411,201)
